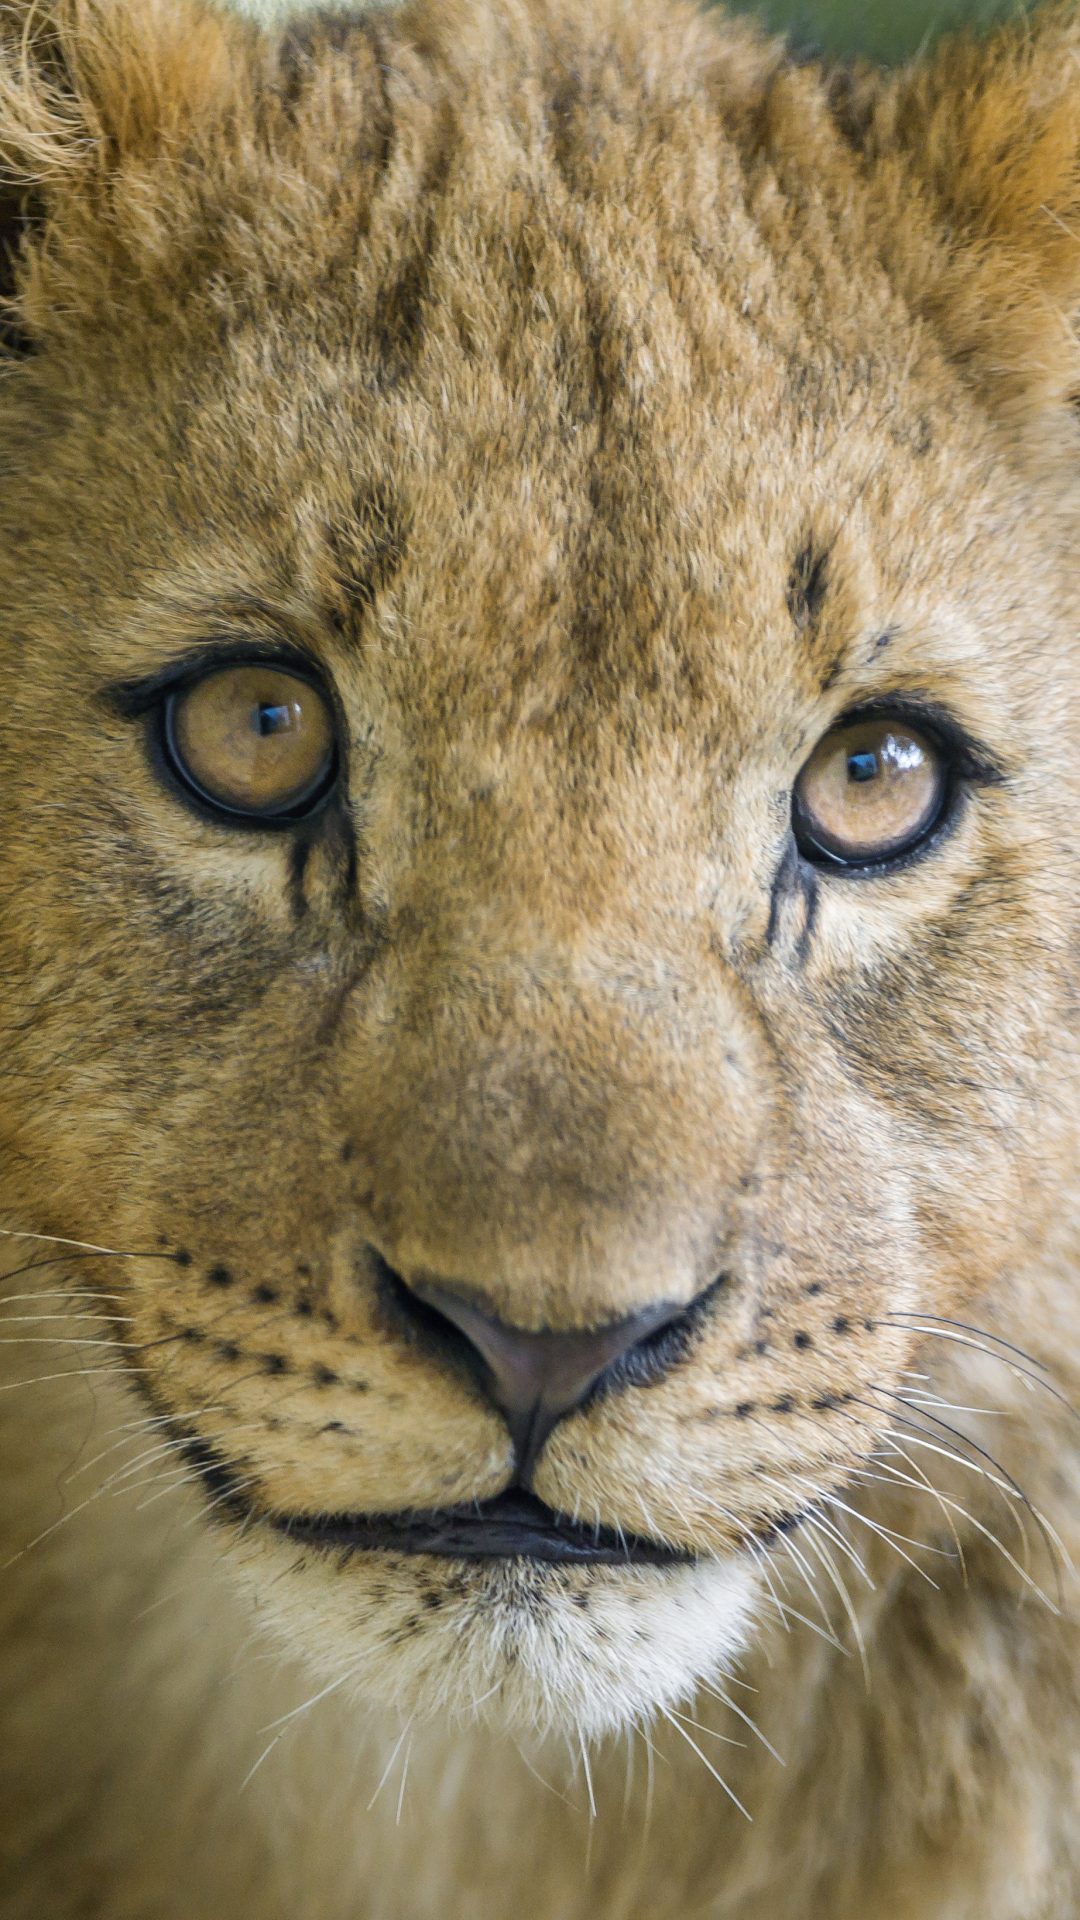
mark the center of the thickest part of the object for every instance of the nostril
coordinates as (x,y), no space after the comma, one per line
(646,1362)
(416,1320)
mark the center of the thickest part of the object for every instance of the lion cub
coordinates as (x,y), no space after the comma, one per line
(540,941)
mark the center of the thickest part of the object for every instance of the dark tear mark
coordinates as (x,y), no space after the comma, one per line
(807,584)
(793,878)
(923,1002)
(782,882)
(567,108)
(339,830)
(352,857)
(809,888)
(299,855)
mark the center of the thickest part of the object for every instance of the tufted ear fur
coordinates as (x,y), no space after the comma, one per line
(91,90)
(974,163)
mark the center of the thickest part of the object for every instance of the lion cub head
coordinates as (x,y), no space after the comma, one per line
(538,783)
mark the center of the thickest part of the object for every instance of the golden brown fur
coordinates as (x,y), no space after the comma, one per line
(607,405)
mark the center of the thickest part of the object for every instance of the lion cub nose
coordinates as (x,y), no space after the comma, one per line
(536,1378)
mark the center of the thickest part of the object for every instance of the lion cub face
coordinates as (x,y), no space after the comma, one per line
(529,795)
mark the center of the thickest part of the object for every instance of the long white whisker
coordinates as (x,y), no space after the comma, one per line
(386,1770)
(732,1707)
(817,1547)
(709,1768)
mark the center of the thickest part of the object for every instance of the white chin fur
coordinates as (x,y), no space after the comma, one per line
(521,1646)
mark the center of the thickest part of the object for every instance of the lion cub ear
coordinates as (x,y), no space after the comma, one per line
(974,157)
(90,89)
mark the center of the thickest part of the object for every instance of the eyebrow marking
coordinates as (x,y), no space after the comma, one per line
(807,584)
(368,548)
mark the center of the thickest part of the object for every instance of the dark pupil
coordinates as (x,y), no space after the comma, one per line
(862,766)
(272,720)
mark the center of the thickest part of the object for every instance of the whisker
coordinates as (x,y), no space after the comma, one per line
(1006,1490)
(844,1546)
(628,1784)
(71,1373)
(915,1468)
(74,1297)
(965,1440)
(58,1340)
(87,1246)
(393,1756)
(734,1708)
(807,1572)
(767,1568)
(172,1484)
(982,1333)
(57,1260)
(404,1777)
(921,1482)
(1006,1486)
(528,1765)
(886,1534)
(961,1340)
(709,1768)
(709,1731)
(845,1598)
(588,1776)
(650,1782)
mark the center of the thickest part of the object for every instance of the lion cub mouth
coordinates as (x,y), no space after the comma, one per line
(513,1526)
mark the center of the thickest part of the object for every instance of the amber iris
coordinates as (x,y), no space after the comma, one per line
(252,740)
(870,790)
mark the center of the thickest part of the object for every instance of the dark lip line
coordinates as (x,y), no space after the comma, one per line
(514,1525)
(545,1536)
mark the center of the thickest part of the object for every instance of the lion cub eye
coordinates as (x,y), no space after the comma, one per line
(871,790)
(252,740)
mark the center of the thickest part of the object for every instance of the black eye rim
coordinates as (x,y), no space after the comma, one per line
(155,699)
(303,807)
(965,763)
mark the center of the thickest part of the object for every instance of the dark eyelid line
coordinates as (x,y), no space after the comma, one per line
(133,698)
(969,757)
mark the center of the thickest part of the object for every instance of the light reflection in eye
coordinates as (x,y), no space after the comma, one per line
(870,789)
(905,755)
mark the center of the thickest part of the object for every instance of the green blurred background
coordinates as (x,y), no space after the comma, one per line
(884,31)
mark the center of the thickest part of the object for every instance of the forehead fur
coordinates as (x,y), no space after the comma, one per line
(482,268)
(204,153)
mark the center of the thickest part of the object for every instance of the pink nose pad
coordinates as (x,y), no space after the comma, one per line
(535,1379)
